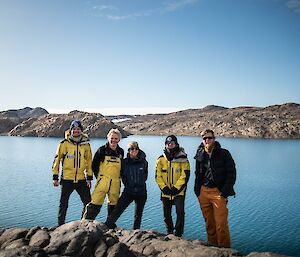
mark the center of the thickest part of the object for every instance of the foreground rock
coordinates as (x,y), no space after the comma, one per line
(55,125)
(87,239)
(277,121)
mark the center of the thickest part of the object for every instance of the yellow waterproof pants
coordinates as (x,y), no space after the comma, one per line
(108,186)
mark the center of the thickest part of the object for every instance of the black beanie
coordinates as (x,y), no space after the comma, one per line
(170,139)
(76,123)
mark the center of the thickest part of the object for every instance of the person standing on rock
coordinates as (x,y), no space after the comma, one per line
(134,174)
(214,180)
(172,175)
(75,155)
(106,167)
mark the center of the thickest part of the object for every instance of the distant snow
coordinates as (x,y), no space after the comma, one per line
(120,120)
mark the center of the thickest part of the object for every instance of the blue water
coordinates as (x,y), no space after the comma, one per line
(264,216)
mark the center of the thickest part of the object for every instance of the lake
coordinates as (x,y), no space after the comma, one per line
(264,215)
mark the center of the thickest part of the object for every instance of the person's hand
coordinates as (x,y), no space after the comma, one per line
(89,184)
(166,191)
(55,183)
(174,191)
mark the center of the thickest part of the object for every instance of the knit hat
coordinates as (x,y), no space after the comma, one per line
(76,123)
(170,139)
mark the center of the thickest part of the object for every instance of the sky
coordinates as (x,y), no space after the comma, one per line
(148,56)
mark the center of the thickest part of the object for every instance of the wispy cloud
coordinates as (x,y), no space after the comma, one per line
(115,13)
(175,5)
(294,5)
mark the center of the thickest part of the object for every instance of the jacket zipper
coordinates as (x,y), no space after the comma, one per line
(76,162)
(171,177)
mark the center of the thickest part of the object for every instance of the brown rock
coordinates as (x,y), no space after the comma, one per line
(55,125)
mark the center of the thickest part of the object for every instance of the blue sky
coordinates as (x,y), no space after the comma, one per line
(146,56)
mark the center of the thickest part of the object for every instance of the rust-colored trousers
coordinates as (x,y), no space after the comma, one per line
(215,212)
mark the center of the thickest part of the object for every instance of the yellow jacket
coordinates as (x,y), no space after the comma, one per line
(173,174)
(76,159)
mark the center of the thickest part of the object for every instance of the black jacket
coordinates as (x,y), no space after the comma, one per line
(134,174)
(223,170)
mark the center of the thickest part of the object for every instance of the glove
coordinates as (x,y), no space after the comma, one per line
(166,191)
(174,191)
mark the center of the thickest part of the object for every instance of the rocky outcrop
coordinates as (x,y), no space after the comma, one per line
(87,239)
(9,119)
(55,125)
(277,121)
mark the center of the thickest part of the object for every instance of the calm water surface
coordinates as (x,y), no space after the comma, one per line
(264,216)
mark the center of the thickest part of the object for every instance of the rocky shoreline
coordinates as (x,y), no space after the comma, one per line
(276,121)
(88,239)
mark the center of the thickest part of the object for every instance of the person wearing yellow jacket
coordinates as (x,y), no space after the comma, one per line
(75,155)
(106,167)
(172,175)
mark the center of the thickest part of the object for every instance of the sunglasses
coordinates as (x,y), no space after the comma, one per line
(134,148)
(204,138)
(171,143)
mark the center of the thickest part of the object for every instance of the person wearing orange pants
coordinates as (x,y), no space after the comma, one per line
(215,212)
(214,180)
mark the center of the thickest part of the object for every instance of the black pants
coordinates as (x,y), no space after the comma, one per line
(67,187)
(167,208)
(121,206)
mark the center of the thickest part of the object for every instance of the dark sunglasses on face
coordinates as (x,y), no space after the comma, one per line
(171,143)
(204,138)
(133,148)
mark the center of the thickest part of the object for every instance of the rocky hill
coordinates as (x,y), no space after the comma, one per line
(276,121)
(10,118)
(88,239)
(54,125)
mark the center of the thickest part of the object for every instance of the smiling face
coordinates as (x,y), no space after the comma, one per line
(76,132)
(133,152)
(113,141)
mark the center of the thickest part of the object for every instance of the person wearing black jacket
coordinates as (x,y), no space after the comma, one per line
(214,180)
(134,174)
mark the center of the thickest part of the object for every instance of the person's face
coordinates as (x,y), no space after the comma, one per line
(133,152)
(208,140)
(76,132)
(113,141)
(170,145)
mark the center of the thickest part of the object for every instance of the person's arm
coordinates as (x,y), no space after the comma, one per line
(230,175)
(56,163)
(89,170)
(146,170)
(158,175)
(96,162)
(197,184)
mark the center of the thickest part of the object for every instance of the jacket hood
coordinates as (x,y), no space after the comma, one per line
(179,154)
(85,137)
(140,157)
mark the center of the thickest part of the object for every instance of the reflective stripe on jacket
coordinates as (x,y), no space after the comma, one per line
(76,159)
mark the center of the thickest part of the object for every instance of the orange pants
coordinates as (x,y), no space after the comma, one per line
(215,212)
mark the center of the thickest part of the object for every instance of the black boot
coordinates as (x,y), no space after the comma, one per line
(91,211)
(110,209)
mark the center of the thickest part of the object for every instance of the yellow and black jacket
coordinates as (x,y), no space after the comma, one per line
(172,174)
(76,159)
